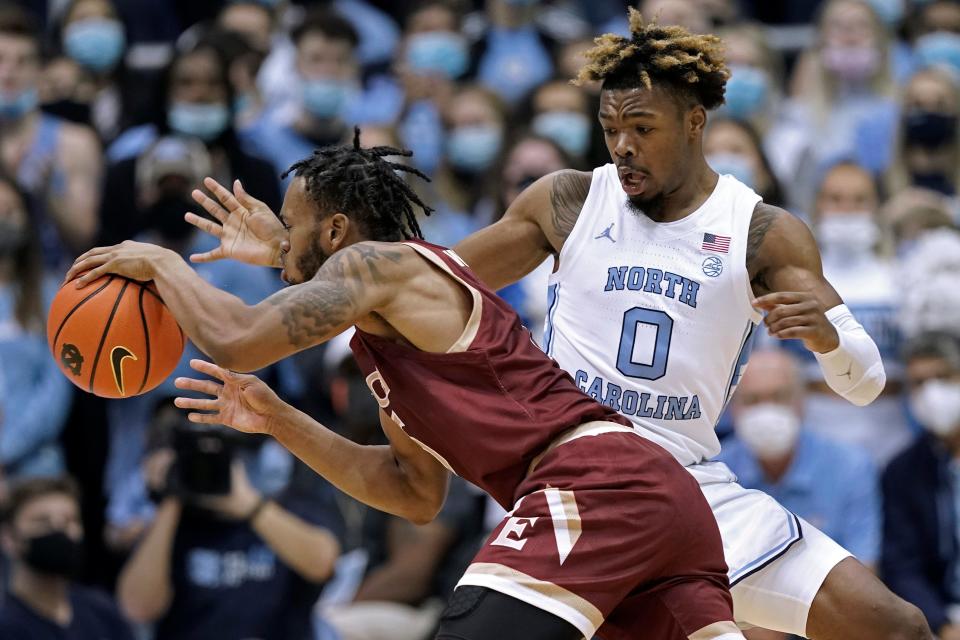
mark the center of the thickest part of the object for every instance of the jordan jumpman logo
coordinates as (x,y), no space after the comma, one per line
(606,233)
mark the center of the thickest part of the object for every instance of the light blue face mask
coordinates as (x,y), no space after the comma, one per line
(327,97)
(733,164)
(569,129)
(204,121)
(15,106)
(95,43)
(747,91)
(890,12)
(474,148)
(441,52)
(939,48)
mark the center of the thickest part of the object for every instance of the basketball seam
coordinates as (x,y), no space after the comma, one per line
(56,337)
(106,330)
(146,338)
(183,336)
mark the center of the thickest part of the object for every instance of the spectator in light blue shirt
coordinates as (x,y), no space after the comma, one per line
(833,486)
(34,396)
(332,96)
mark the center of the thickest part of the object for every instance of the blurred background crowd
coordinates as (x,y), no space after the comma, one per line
(121,521)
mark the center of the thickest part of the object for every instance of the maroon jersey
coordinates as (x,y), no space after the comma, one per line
(487,407)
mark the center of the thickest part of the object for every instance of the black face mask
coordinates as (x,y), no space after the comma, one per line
(929,129)
(55,554)
(166,217)
(935,181)
(71,110)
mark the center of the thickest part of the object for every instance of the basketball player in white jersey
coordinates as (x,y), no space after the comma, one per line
(663,272)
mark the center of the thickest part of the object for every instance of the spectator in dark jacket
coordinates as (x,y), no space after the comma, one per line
(921,489)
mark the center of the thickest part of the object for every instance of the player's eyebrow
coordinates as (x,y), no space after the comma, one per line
(633,113)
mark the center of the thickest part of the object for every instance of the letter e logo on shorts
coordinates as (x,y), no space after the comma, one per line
(379,388)
(514,526)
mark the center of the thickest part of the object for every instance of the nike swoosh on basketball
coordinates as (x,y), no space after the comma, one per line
(117,355)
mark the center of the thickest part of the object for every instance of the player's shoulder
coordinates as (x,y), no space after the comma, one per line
(774,231)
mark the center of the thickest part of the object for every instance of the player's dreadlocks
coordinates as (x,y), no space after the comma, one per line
(690,64)
(362,184)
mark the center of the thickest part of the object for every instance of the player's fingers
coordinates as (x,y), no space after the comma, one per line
(783,311)
(203,386)
(223,194)
(786,323)
(204,224)
(200,404)
(205,418)
(92,275)
(208,256)
(85,264)
(771,300)
(798,333)
(210,205)
(245,198)
(210,369)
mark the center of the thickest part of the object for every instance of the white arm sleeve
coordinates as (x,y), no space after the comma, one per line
(854,369)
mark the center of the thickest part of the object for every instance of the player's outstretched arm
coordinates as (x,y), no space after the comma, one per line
(247,229)
(399,478)
(352,283)
(534,227)
(787,276)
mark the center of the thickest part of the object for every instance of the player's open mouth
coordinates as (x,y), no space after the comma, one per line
(633,182)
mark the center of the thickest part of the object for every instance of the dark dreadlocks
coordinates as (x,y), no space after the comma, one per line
(690,65)
(363,185)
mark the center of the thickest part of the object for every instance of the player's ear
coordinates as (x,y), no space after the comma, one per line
(338,230)
(696,120)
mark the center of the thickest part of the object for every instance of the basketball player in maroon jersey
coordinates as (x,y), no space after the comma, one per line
(606,533)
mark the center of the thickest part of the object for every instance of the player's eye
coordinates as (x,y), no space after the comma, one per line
(644,130)
(608,131)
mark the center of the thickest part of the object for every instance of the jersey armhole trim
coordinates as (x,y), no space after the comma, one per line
(571,244)
(473,322)
(746,286)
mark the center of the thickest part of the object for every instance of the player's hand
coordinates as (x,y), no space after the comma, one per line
(241,401)
(799,315)
(134,260)
(246,227)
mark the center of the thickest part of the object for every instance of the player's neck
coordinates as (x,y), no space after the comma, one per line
(47,595)
(690,195)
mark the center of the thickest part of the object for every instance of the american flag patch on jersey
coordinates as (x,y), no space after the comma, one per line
(713,242)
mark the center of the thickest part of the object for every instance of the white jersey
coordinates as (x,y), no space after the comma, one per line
(654,319)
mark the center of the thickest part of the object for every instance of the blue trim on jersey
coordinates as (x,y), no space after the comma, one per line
(746,346)
(553,299)
(796,534)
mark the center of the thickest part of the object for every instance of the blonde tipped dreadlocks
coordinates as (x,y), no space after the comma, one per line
(691,64)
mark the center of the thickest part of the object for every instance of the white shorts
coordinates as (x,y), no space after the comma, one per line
(776,560)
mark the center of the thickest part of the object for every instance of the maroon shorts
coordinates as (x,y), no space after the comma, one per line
(614,536)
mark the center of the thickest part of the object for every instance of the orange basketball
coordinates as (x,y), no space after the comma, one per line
(115,337)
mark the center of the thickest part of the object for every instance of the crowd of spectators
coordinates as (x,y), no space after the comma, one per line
(845,112)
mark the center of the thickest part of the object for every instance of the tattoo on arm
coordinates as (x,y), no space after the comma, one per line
(763,217)
(567,195)
(314,309)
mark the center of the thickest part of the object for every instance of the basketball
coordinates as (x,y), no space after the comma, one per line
(114,338)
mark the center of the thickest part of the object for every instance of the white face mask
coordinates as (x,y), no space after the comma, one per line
(846,235)
(769,430)
(936,404)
